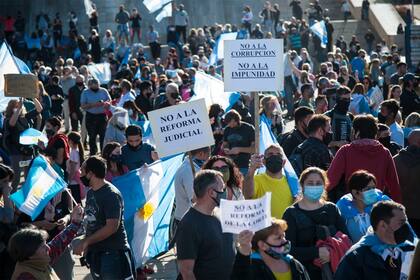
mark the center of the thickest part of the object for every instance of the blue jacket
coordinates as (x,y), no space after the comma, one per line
(357,223)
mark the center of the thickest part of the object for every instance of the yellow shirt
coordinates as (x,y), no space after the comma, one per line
(283,275)
(281,196)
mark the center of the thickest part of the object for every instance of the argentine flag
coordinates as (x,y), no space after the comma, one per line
(41,185)
(154,5)
(320,30)
(100,71)
(148,195)
(9,64)
(212,90)
(219,47)
(31,136)
(267,138)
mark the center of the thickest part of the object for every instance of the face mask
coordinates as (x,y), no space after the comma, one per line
(50,132)
(218,137)
(274,163)
(328,137)
(80,84)
(402,234)
(385,140)
(85,181)
(370,196)
(219,196)
(133,148)
(381,118)
(94,89)
(115,158)
(199,162)
(343,105)
(313,193)
(279,251)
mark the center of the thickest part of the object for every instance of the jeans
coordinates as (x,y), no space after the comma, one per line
(182,31)
(113,265)
(95,125)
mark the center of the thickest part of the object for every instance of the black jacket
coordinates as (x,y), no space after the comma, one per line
(247,268)
(289,141)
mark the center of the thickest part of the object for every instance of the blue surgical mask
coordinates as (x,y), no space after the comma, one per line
(313,193)
(370,197)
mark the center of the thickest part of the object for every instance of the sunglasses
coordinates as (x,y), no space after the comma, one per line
(221,169)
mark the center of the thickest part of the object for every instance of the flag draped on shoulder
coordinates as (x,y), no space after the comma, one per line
(320,30)
(41,185)
(9,64)
(267,138)
(148,195)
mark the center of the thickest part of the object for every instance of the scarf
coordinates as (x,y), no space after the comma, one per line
(39,269)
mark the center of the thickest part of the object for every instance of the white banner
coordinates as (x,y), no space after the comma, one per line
(253,65)
(253,215)
(181,128)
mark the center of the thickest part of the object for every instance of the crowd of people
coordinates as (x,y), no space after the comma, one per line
(355,148)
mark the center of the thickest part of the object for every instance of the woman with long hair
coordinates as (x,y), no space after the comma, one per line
(112,154)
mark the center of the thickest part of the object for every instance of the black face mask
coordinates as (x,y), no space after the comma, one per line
(220,196)
(85,181)
(218,137)
(80,84)
(386,141)
(94,89)
(381,118)
(50,132)
(274,163)
(343,105)
(328,137)
(402,234)
(133,148)
(273,250)
(175,95)
(115,158)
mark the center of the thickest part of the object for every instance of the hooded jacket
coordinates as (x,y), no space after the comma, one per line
(357,223)
(370,155)
(407,163)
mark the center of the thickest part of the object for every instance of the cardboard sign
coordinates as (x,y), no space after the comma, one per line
(253,215)
(20,85)
(181,128)
(254,65)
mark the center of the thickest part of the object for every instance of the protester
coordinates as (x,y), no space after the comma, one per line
(135,19)
(113,156)
(355,207)
(34,256)
(375,255)
(7,209)
(384,136)
(105,230)
(270,108)
(181,22)
(266,255)
(204,251)
(238,140)
(311,219)
(58,143)
(122,18)
(93,101)
(272,180)
(314,150)
(407,164)
(388,114)
(136,153)
(289,141)
(75,92)
(366,154)
(410,101)
(76,158)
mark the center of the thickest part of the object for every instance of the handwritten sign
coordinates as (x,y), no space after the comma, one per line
(181,128)
(253,65)
(20,85)
(253,215)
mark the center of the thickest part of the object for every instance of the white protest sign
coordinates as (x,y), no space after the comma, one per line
(181,128)
(253,65)
(253,215)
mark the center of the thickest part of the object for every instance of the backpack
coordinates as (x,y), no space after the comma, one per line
(296,160)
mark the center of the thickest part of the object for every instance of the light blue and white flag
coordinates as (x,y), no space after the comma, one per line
(31,136)
(212,90)
(320,30)
(147,132)
(219,47)
(100,71)
(149,194)
(9,64)
(88,7)
(267,138)
(41,185)
(165,12)
(154,5)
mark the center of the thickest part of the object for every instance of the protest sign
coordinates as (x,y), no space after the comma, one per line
(253,215)
(253,65)
(181,128)
(20,85)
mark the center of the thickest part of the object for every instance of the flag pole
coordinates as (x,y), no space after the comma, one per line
(257,121)
(71,196)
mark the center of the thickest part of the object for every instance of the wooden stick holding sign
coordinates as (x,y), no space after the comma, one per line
(257,121)
(191,163)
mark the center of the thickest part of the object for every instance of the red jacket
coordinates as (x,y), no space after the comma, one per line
(370,155)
